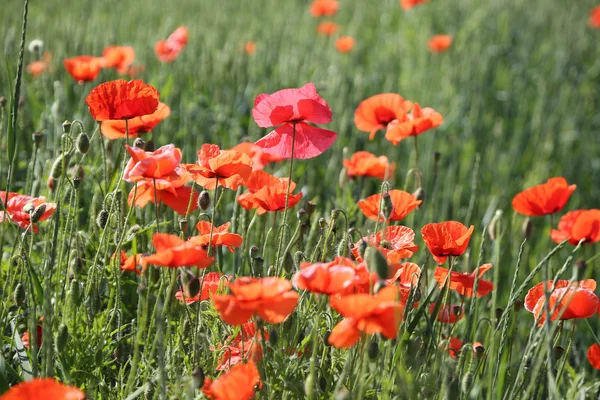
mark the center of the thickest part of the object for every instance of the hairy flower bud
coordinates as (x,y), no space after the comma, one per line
(19,295)
(82,143)
(102,219)
(62,337)
(37,213)
(204,200)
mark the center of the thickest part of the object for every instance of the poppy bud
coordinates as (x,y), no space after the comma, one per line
(139,143)
(75,292)
(102,219)
(197,378)
(287,262)
(343,178)
(273,337)
(76,265)
(373,350)
(19,295)
(254,250)
(308,385)
(37,213)
(326,338)
(193,287)
(51,184)
(301,337)
(62,337)
(527,228)
(323,383)
(301,215)
(133,230)
(57,167)
(149,145)
(479,351)
(82,143)
(387,206)
(77,180)
(518,305)
(204,200)
(558,353)
(467,381)
(362,248)
(298,258)
(183,224)
(66,126)
(37,138)
(376,262)
(419,194)
(310,208)
(322,224)
(342,246)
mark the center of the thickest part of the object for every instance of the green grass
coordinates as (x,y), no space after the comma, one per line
(519,94)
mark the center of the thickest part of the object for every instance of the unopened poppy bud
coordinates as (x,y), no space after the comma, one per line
(419,194)
(51,182)
(76,266)
(308,385)
(323,383)
(342,247)
(82,143)
(75,292)
(287,262)
(479,351)
(66,126)
(326,338)
(499,312)
(310,208)
(57,167)
(518,305)
(467,381)
(37,138)
(133,230)
(193,287)
(298,258)
(558,352)
(343,178)
(377,262)
(387,207)
(27,208)
(204,200)
(38,212)
(139,143)
(527,228)
(373,350)
(102,219)
(301,337)
(301,215)
(62,337)
(197,378)
(183,224)
(335,213)
(273,337)
(150,145)
(362,248)
(19,295)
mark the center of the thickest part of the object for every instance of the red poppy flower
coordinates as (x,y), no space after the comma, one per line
(174,196)
(408,4)
(260,159)
(402,204)
(272,299)
(245,345)
(161,165)
(168,50)
(238,383)
(577,225)
(83,68)
(413,124)
(42,388)
(377,112)
(345,44)
(371,314)
(250,47)
(220,236)
(463,283)
(454,346)
(267,193)
(228,168)
(14,208)
(118,57)
(326,278)
(593,355)
(445,239)
(395,242)
(594,20)
(210,284)
(363,163)
(323,8)
(37,68)
(173,252)
(117,129)
(439,43)
(25,337)
(130,263)
(543,199)
(294,107)
(448,314)
(572,299)
(406,277)
(121,99)
(327,28)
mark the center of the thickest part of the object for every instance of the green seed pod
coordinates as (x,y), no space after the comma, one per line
(139,143)
(102,219)
(37,138)
(373,350)
(62,338)
(301,215)
(38,212)
(309,384)
(20,295)
(76,265)
(310,208)
(204,200)
(298,258)
(377,262)
(57,167)
(82,143)
(254,252)
(322,224)
(183,224)
(66,126)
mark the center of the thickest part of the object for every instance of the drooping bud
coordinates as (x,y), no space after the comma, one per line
(373,350)
(362,247)
(37,213)
(254,252)
(102,219)
(19,295)
(193,287)
(298,258)
(62,337)
(82,143)
(376,262)
(467,381)
(139,143)
(494,225)
(204,200)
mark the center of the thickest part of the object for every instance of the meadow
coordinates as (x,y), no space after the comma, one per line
(518,93)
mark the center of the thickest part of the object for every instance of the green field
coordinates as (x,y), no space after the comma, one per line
(520,96)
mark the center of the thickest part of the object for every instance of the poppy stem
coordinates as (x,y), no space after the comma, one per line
(212,218)
(416,142)
(287,197)
(157,204)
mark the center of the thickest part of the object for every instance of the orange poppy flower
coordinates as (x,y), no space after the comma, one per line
(371,314)
(130,263)
(122,99)
(408,4)
(15,209)
(395,242)
(117,129)
(83,68)
(445,239)
(455,345)
(173,252)
(326,278)
(403,203)
(161,165)
(210,284)
(573,299)
(594,20)
(593,355)
(464,283)
(250,47)
(272,299)
(345,44)
(245,345)
(577,225)
(172,195)
(118,57)
(439,43)
(228,168)
(42,388)
(25,337)
(37,68)
(448,314)
(220,236)
(405,274)
(543,199)
(267,193)
(377,112)
(238,383)
(413,124)
(168,50)
(260,159)
(323,8)
(363,163)
(364,280)
(327,28)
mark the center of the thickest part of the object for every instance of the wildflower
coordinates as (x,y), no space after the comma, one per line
(46,388)
(245,345)
(593,355)
(439,43)
(395,242)
(238,383)
(250,47)
(260,159)
(455,345)
(573,300)
(594,20)
(83,68)
(267,193)
(26,340)
(210,284)
(117,129)
(174,195)
(408,4)
(578,225)
(173,252)
(121,99)
(130,263)
(327,28)
(377,112)
(220,236)
(161,165)
(36,46)
(168,50)
(448,314)
(402,204)
(413,124)
(227,168)
(326,278)
(363,163)
(371,314)
(19,209)
(289,110)
(118,57)
(37,68)
(272,299)
(464,284)
(323,8)
(345,44)
(543,199)
(445,239)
